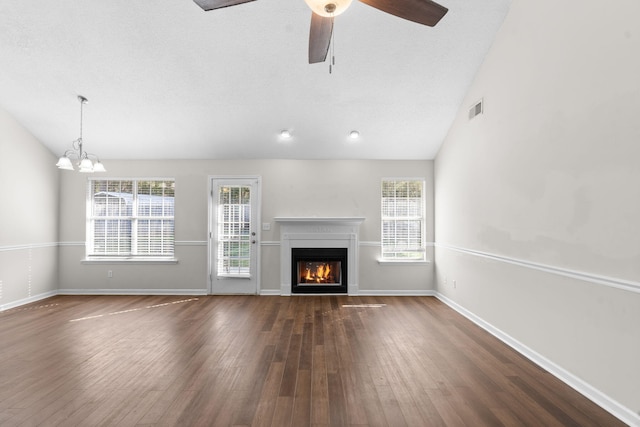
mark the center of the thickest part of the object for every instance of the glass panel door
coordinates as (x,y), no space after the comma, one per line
(234,239)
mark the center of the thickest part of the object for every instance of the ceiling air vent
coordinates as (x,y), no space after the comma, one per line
(476,109)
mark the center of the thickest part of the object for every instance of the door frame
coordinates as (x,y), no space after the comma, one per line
(256,202)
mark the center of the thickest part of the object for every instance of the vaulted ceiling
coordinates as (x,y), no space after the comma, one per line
(166,80)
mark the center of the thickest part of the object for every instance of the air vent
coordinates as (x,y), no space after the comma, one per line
(476,109)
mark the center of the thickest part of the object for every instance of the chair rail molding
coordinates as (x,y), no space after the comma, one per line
(627,285)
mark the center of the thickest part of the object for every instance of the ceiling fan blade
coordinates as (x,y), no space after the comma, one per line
(319,37)
(218,4)
(423,12)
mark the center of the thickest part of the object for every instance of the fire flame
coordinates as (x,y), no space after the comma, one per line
(321,273)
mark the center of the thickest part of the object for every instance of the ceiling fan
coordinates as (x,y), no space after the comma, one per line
(424,12)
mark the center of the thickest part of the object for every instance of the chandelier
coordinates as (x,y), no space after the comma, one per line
(83,159)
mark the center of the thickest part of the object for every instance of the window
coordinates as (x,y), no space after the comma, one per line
(234,226)
(130,218)
(403,211)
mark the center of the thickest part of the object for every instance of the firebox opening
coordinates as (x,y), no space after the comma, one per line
(319,270)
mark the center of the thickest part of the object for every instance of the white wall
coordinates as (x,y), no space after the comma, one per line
(289,188)
(28,216)
(538,199)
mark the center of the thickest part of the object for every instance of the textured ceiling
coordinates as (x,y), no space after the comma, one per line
(166,80)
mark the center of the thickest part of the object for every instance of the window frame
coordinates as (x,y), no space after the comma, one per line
(421,249)
(135,218)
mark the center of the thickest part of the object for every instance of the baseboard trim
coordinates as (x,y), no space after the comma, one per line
(270,292)
(28,300)
(195,292)
(621,412)
(361,292)
(396,293)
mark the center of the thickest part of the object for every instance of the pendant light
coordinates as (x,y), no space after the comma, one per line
(84,162)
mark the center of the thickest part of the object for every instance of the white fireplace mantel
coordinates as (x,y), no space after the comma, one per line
(319,232)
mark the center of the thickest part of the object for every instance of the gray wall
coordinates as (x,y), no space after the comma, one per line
(289,188)
(28,216)
(538,199)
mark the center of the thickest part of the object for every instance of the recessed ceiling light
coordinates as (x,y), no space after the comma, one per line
(354,134)
(285,133)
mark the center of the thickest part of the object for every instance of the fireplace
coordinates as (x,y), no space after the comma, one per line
(318,270)
(323,242)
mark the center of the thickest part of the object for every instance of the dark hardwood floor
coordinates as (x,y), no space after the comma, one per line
(269,361)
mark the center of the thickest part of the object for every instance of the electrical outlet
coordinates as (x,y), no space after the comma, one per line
(110,274)
(266,226)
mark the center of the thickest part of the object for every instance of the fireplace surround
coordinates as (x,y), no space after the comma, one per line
(320,233)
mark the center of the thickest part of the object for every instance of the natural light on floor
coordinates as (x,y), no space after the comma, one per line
(134,309)
(364,305)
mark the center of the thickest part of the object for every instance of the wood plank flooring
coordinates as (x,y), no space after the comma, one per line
(269,361)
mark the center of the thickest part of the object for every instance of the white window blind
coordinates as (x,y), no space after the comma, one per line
(234,226)
(129,218)
(403,212)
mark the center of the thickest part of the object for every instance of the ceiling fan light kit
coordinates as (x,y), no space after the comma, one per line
(425,12)
(328,8)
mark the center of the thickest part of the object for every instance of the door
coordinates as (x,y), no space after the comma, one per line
(233,242)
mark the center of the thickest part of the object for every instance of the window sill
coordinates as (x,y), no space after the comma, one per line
(404,262)
(136,260)
(233,276)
